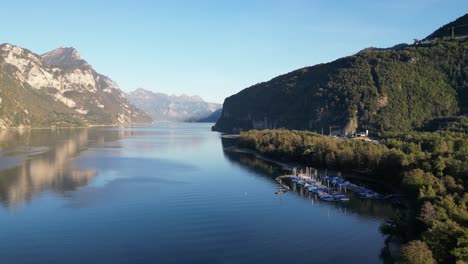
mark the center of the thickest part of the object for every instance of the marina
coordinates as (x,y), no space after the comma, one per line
(96,189)
(326,188)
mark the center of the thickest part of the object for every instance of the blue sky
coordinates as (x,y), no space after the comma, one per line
(216,48)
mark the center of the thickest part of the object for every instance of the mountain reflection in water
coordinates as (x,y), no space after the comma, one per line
(49,168)
(145,194)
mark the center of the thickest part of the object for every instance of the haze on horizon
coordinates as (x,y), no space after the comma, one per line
(215,49)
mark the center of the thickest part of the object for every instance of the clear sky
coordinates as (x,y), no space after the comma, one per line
(216,48)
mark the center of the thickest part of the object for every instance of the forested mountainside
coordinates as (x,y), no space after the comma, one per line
(58,88)
(378,89)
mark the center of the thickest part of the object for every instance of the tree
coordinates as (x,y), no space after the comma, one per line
(395,226)
(439,165)
(461,251)
(413,180)
(419,161)
(416,252)
(428,214)
(442,238)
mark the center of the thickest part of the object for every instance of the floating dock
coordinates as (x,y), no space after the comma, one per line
(328,188)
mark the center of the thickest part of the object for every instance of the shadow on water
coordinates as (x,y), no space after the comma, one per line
(364,207)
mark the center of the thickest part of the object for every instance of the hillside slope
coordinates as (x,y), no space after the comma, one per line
(460,28)
(213,118)
(58,89)
(389,89)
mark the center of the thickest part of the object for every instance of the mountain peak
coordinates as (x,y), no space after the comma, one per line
(7,45)
(65,57)
(164,107)
(187,98)
(176,98)
(141,91)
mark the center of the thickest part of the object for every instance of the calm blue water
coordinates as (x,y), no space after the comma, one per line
(164,194)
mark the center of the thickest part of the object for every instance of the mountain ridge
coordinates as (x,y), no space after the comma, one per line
(459,25)
(66,88)
(164,107)
(376,89)
(65,57)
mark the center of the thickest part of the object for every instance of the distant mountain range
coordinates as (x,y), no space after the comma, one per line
(61,89)
(58,88)
(399,88)
(213,118)
(183,108)
(395,89)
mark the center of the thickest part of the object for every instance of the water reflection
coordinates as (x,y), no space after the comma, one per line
(363,207)
(152,192)
(39,160)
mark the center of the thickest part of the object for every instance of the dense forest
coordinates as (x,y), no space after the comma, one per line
(396,89)
(431,167)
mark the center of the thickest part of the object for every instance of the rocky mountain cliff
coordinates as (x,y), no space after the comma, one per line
(65,58)
(163,107)
(378,89)
(58,88)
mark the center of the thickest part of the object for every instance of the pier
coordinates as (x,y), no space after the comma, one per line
(285,188)
(328,188)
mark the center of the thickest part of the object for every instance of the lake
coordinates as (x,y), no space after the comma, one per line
(165,193)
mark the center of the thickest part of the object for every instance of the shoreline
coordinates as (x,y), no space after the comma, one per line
(284,165)
(288,166)
(95,125)
(393,245)
(73,127)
